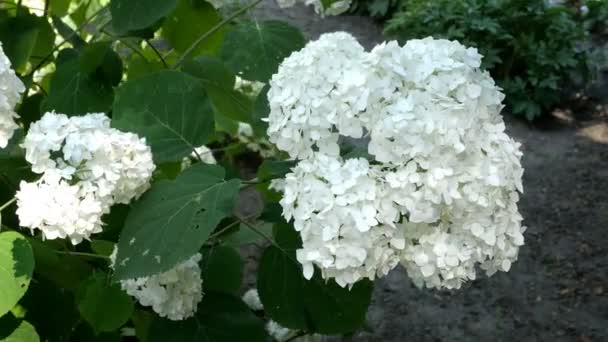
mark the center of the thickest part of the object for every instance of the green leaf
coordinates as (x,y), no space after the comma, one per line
(51,309)
(169,108)
(219,84)
(261,109)
(222,270)
(29,110)
(23,332)
(16,268)
(74,92)
(18,36)
(254,50)
(220,318)
(59,7)
(102,247)
(103,304)
(131,15)
(190,20)
(245,235)
(271,169)
(173,219)
(69,34)
(312,305)
(66,271)
(99,60)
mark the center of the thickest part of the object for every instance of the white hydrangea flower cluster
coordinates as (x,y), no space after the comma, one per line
(174,294)
(86,167)
(441,192)
(346,220)
(11,89)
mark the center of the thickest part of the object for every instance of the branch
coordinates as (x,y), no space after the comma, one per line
(215,28)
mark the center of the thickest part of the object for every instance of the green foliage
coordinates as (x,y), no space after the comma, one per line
(26,38)
(83,82)
(219,85)
(311,305)
(175,118)
(103,304)
(165,70)
(255,49)
(220,318)
(190,20)
(132,15)
(172,220)
(531,49)
(16,268)
(375,8)
(15,330)
(222,269)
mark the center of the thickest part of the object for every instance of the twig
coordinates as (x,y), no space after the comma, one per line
(50,54)
(88,255)
(157,53)
(7,204)
(196,43)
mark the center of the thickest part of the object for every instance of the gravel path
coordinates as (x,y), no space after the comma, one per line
(558,290)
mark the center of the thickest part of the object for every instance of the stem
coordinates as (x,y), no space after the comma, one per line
(254,181)
(223,230)
(272,242)
(5,205)
(84,23)
(46,7)
(198,156)
(126,43)
(88,255)
(215,28)
(157,53)
(299,334)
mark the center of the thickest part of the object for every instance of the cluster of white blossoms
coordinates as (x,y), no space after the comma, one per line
(86,167)
(11,89)
(440,193)
(174,294)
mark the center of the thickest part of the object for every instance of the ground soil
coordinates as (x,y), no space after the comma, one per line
(558,290)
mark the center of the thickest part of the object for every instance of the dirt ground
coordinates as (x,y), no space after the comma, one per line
(558,290)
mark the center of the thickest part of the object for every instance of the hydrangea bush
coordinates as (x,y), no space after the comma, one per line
(131,145)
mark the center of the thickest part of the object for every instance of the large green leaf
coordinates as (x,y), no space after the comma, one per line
(312,305)
(98,59)
(219,84)
(169,108)
(220,318)
(19,36)
(190,20)
(13,330)
(16,268)
(222,269)
(255,49)
(103,304)
(74,92)
(172,220)
(131,15)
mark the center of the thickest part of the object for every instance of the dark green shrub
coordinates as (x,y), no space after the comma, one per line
(532,49)
(375,8)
